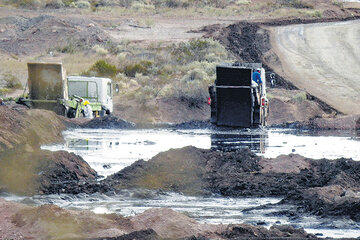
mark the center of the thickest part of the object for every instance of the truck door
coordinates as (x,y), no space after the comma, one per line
(234,97)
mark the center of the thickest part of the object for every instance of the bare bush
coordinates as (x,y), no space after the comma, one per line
(11,81)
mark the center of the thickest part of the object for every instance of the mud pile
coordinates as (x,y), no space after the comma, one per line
(29,128)
(242,174)
(19,221)
(22,35)
(108,122)
(27,170)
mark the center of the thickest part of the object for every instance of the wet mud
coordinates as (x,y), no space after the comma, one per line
(108,122)
(52,222)
(244,174)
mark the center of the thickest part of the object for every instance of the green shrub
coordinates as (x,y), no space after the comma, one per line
(171,3)
(299,97)
(199,50)
(11,81)
(314,14)
(71,47)
(141,67)
(27,3)
(100,50)
(296,4)
(102,68)
(126,3)
(194,93)
(69,3)
(54,4)
(83,4)
(4,91)
(338,3)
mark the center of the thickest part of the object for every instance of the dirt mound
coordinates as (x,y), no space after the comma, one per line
(19,221)
(249,42)
(334,200)
(22,35)
(30,128)
(287,106)
(241,173)
(162,220)
(39,172)
(340,122)
(276,231)
(52,222)
(108,122)
(24,168)
(176,170)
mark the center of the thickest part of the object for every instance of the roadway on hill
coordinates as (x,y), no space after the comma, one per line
(323,59)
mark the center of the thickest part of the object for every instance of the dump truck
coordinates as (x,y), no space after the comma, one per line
(51,89)
(234,98)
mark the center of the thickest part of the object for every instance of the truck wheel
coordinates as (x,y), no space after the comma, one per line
(108,112)
(102,113)
(256,117)
(71,113)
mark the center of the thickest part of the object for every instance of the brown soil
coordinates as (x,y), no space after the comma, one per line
(24,168)
(18,221)
(29,128)
(44,33)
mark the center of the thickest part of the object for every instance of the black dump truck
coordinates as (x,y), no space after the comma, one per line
(236,100)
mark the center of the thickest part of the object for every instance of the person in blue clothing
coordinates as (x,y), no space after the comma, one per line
(256,77)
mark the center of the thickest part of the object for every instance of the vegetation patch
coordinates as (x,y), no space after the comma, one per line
(183,70)
(296,4)
(211,8)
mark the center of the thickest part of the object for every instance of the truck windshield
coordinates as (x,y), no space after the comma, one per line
(83,89)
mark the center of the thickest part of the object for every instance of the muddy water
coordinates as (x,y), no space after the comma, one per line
(108,151)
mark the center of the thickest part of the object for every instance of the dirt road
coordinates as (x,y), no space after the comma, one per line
(323,59)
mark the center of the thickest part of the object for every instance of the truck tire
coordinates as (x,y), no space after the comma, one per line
(256,117)
(71,113)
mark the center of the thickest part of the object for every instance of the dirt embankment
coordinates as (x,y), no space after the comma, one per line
(19,221)
(242,173)
(24,168)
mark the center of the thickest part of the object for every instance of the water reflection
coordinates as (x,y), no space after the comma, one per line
(256,142)
(110,150)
